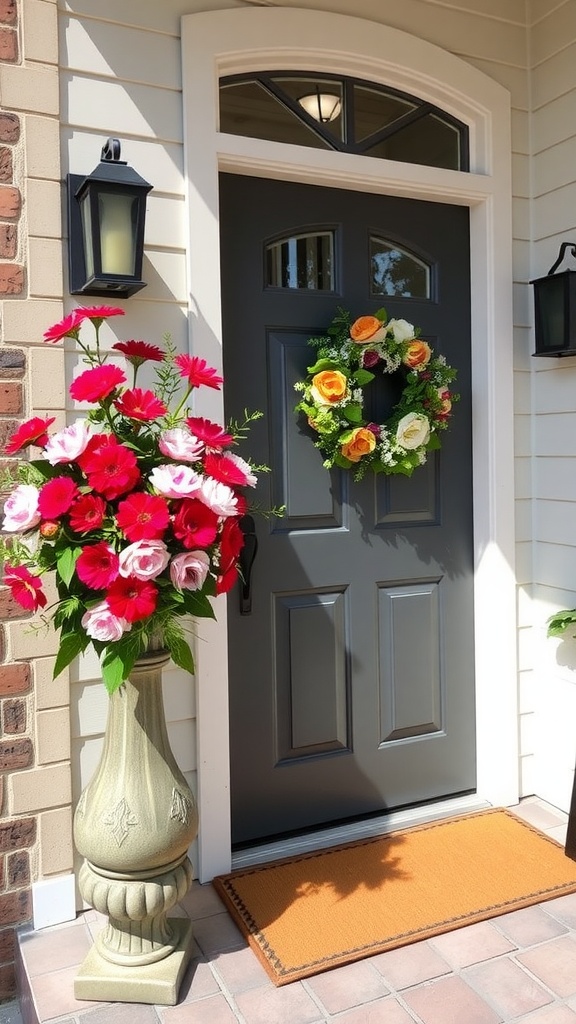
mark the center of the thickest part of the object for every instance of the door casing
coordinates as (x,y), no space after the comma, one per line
(234,41)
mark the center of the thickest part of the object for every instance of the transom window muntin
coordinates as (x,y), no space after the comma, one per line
(345,114)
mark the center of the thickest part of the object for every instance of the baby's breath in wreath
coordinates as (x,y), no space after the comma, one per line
(333,400)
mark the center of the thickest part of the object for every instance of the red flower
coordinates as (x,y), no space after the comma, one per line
(31,432)
(96,384)
(56,497)
(140,405)
(195,524)
(231,544)
(66,328)
(224,469)
(198,372)
(97,313)
(97,565)
(111,468)
(137,352)
(212,434)
(26,589)
(143,516)
(87,513)
(132,599)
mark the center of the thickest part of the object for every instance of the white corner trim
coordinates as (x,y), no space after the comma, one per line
(53,901)
(232,41)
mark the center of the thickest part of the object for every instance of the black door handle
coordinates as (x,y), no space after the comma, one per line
(246,561)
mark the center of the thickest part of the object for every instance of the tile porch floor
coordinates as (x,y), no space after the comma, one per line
(520,967)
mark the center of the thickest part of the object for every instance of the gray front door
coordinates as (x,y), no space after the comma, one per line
(352,661)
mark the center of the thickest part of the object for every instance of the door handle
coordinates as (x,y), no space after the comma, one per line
(246,561)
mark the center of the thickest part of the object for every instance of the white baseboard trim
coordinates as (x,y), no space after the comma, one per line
(348,833)
(54,901)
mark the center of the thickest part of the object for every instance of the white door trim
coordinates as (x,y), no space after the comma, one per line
(233,41)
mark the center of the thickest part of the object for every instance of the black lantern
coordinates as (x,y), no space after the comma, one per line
(106,215)
(555,309)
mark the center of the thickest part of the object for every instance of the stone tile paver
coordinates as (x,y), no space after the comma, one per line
(554,964)
(121,1013)
(214,1010)
(411,965)
(198,982)
(240,971)
(346,987)
(385,1011)
(287,1005)
(472,944)
(51,950)
(217,934)
(555,1014)
(563,909)
(529,926)
(507,987)
(450,1001)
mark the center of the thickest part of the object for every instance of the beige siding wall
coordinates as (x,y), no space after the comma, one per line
(121,76)
(552,449)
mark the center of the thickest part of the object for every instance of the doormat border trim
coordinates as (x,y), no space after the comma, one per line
(281,975)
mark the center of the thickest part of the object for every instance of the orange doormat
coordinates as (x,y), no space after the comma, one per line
(305,914)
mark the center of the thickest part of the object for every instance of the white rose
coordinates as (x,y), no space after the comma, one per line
(144,559)
(21,509)
(69,443)
(401,329)
(175,481)
(413,430)
(219,497)
(180,445)
(101,624)
(189,570)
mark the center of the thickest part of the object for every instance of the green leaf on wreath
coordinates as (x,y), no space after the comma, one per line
(363,377)
(433,443)
(66,563)
(342,462)
(323,364)
(353,413)
(381,314)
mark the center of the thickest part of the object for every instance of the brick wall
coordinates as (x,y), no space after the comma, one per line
(17,836)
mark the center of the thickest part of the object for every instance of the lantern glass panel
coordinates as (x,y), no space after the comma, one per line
(87,233)
(118,220)
(551,314)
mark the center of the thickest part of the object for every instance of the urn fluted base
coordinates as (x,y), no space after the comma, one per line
(133,825)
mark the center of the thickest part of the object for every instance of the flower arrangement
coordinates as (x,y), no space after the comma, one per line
(135,507)
(333,400)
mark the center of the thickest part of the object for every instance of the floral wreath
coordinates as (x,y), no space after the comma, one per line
(333,400)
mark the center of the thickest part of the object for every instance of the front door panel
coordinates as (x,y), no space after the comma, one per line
(351,680)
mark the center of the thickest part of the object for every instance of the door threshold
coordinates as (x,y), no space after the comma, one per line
(351,831)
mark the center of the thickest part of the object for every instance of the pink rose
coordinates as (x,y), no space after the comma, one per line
(21,509)
(144,559)
(69,443)
(189,570)
(175,481)
(101,624)
(219,497)
(181,445)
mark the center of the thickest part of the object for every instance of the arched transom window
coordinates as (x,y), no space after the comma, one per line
(345,114)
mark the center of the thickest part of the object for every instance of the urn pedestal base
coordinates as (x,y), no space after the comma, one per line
(159,982)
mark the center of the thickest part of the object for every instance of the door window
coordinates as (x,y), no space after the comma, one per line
(302,261)
(396,271)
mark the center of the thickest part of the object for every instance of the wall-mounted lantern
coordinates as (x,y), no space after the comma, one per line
(106,215)
(555,309)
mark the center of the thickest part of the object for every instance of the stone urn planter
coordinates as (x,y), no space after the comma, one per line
(133,825)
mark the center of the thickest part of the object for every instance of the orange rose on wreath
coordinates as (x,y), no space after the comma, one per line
(417,354)
(329,387)
(361,442)
(367,330)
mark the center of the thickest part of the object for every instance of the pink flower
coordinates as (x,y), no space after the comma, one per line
(111,468)
(97,565)
(140,405)
(213,435)
(69,327)
(198,372)
(189,570)
(25,588)
(175,481)
(143,516)
(31,432)
(56,497)
(145,559)
(230,469)
(69,443)
(21,510)
(218,497)
(95,384)
(101,624)
(180,445)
